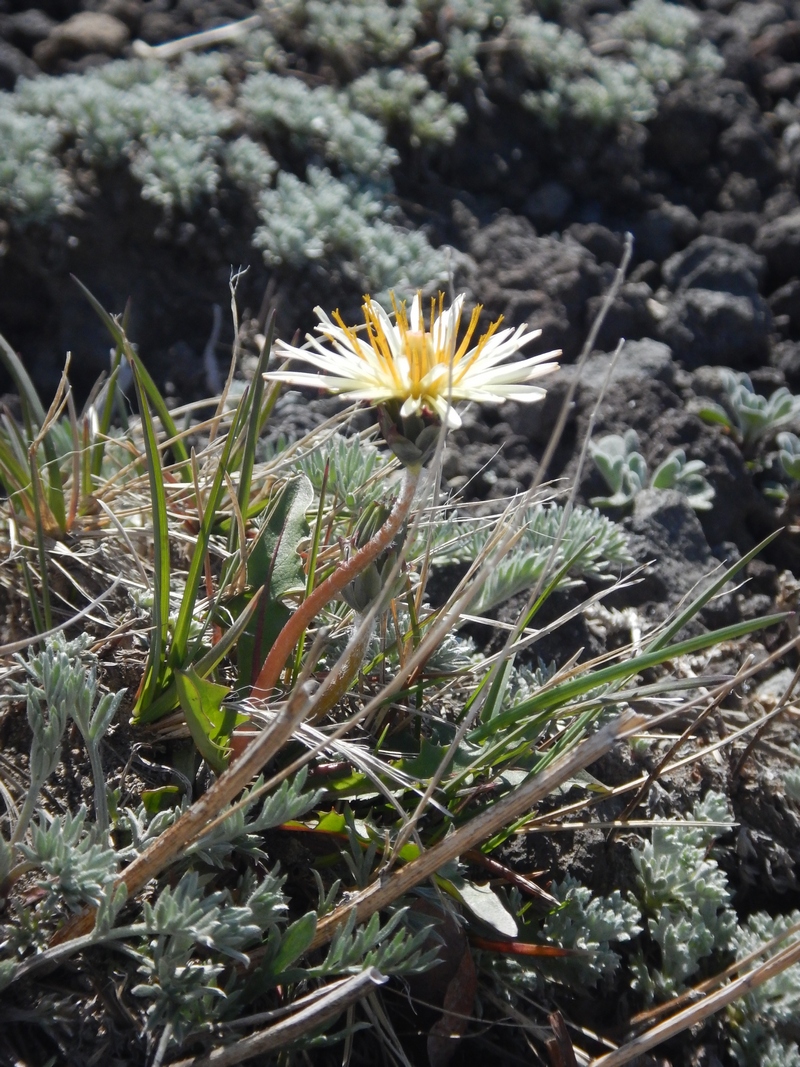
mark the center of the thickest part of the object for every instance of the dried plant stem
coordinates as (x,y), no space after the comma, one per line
(194,821)
(695,1014)
(334,584)
(219,35)
(388,889)
(338,997)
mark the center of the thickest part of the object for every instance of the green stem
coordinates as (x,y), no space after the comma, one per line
(334,584)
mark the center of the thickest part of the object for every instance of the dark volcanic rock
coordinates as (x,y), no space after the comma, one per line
(718,315)
(714,263)
(713,122)
(605,245)
(630,316)
(24,29)
(709,326)
(546,281)
(14,64)
(666,533)
(779,242)
(736,226)
(663,230)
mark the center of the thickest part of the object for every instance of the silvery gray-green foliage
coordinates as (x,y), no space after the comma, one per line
(181,983)
(749,416)
(176,172)
(59,687)
(461,56)
(668,25)
(524,682)
(584,922)
(477,15)
(686,900)
(356,471)
(590,924)
(663,45)
(624,470)
(308,220)
(789,454)
(79,866)
(321,120)
(664,41)
(763,1022)
(390,948)
(249,165)
(327,218)
(242,831)
(596,546)
(397,96)
(595,89)
(32,185)
(354,32)
(623,467)
(153,118)
(676,472)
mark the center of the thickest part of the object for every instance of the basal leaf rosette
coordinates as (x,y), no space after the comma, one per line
(414,371)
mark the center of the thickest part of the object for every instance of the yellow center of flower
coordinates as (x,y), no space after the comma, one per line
(432,363)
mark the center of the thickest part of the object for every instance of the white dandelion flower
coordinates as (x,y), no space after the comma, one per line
(424,369)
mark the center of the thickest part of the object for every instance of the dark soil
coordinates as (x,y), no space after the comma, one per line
(709,190)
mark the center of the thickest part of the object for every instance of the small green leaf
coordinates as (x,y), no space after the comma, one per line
(156,800)
(295,942)
(482,902)
(273,558)
(331,822)
(209,723)
(714,414)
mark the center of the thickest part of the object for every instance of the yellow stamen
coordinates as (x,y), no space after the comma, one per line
(473,324)
(482,343)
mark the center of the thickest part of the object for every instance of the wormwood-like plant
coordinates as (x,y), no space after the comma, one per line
(335,714)
(685,896)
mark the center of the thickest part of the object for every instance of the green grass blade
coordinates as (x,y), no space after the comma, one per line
(39,626)
(180,638)
(254,420)
(41,546)
(34,417)
(32,405)
(553,697)
(700,601)
(15,476)
(158,499)
(148,386)
(104,423)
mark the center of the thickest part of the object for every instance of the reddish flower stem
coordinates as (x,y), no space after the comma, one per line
(333,584)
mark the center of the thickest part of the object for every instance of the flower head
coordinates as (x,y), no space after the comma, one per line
(425,369)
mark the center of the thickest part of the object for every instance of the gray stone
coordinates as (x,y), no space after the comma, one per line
(715,263)
(86,33)
(779,242)
(709,326)
(14,64)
